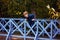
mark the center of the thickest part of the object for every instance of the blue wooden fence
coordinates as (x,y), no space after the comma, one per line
(41,28)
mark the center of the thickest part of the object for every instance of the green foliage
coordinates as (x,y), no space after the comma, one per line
(11,7)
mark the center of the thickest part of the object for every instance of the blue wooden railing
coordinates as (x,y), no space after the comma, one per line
(41,28)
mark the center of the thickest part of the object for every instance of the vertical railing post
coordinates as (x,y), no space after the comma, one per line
(56,25)
(2,23)
(43,25)
(25,29)
(51,31)
(10,31)
(36,35)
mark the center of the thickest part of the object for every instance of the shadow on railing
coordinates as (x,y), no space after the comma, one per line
(16,27)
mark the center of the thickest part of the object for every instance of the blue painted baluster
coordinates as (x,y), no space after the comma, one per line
(36,35)
(56,25)
(10,31)
(51,31)
(43,25)
(25,30)
(3,24)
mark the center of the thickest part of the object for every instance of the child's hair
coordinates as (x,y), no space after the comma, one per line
(24,11)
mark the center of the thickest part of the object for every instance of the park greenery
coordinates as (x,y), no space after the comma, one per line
(14,8)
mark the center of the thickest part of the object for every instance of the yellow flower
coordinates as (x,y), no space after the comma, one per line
(18,13)
(48,6)
(53,9)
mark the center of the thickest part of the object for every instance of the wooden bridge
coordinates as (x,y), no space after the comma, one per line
(19,29)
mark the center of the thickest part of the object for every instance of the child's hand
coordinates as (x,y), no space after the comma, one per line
(33,19)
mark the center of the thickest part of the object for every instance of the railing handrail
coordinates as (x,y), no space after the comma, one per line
(24,18)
